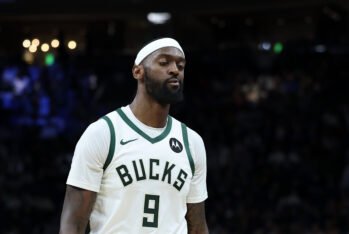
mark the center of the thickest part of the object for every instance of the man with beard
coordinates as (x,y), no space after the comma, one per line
(137,169)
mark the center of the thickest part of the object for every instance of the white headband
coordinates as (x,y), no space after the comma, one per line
(155,45)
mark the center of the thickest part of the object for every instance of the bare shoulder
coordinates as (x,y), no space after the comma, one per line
(196,218)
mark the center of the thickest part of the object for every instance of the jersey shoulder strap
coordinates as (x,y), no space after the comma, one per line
(112,142)
(187,148)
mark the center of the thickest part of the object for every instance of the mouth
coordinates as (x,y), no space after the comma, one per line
(174,82)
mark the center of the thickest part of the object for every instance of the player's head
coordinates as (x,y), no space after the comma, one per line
(159,69)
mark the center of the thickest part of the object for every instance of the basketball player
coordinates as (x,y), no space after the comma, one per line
(137,169)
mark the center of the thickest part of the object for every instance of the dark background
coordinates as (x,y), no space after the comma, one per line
(275,123)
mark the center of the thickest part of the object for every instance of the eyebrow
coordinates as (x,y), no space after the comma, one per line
(181,58)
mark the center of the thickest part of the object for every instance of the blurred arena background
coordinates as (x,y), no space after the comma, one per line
(266,86)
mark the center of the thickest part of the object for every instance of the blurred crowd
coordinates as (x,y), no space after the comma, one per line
(276,138)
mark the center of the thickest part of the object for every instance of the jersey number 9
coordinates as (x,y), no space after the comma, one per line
(151,207)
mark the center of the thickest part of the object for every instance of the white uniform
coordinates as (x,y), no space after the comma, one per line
(143,176)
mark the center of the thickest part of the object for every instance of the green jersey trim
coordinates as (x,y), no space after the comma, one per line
(112,142)
(143,134)
(187,149)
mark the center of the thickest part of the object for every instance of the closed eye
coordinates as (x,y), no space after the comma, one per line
(180,66)
(163,63)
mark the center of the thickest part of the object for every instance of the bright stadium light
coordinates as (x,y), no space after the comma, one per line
(36,42)
(72,44)
(265,45)
(158,17)
(26,43)
(33,48)
(45,47)
(55,43)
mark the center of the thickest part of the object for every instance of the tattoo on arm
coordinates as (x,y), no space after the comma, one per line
(196,218)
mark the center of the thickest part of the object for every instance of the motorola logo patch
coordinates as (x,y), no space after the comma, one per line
(176,145)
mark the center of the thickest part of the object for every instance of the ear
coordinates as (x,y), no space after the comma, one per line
(138,72)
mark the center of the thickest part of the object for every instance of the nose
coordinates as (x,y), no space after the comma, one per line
(173,69)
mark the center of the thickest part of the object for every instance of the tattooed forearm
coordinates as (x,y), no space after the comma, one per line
(196,219)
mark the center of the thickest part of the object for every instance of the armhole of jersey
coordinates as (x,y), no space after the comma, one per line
(112,142)
(187,149)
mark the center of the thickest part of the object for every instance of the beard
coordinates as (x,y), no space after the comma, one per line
(162,91)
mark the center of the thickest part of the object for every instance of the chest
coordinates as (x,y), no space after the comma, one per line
(141,163)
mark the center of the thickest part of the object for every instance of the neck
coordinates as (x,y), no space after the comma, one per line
(149,111)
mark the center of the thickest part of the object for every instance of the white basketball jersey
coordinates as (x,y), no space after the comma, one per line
(145,181)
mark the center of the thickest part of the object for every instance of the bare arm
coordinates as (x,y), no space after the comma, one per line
(77,207)
(196,218)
